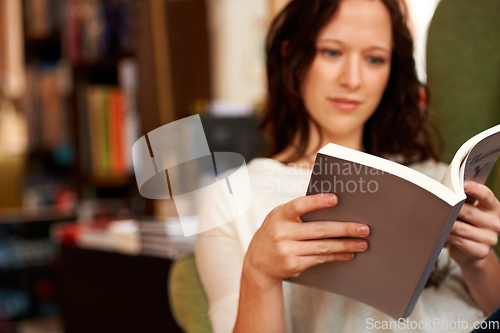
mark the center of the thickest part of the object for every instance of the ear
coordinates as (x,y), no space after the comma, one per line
(284,48)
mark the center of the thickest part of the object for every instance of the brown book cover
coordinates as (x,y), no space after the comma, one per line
(410,216)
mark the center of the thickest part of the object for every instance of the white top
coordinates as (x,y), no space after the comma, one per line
(220,253)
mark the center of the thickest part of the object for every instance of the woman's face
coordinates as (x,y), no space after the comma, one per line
(350,70)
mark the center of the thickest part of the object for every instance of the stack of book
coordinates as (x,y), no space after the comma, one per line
(158,238)
(105,235)
(165,238)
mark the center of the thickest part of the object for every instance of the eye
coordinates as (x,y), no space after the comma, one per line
(330,52)
(376,60)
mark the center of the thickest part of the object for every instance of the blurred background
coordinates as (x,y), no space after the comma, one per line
(80,82)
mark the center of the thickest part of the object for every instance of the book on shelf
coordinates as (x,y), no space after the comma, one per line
(165,238)
(409,214)
(169,226)
(96,29)
(117,144)
(41,17)
(106,235)
(109,132)
(98,138)
(44,105)
(128,83)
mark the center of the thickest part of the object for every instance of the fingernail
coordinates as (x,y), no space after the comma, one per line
(361,245)
(330,199)
(466,186)
(363,231)
(348,256)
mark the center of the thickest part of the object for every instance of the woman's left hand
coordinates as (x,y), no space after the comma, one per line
(476,233)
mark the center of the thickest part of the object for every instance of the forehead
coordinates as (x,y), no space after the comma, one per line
(365,21)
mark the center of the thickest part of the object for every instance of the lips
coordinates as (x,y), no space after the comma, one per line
(345,104)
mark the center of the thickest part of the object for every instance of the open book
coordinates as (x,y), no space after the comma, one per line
(410,216)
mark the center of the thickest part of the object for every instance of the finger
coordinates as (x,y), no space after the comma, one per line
(305,262)
(332,246)
(294,209)
(474,215)
(479,218)
(320,259)
(329,229)
(478,235)
(486,198)
(294,266)
(469,248)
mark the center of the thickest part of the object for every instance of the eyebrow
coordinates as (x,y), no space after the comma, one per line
(372,47)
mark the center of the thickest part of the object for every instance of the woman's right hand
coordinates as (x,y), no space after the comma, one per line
(284,246)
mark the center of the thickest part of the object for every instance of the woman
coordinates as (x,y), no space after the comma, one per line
(338,71)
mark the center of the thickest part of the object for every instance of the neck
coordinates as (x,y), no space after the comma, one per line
(353,141)
(350,141)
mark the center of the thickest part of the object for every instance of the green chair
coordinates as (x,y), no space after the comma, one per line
(463,73)
(188,302)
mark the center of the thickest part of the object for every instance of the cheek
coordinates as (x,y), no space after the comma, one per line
(312,84)
(378,83)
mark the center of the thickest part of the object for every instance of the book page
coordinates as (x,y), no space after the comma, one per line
(481,159)
(473,160)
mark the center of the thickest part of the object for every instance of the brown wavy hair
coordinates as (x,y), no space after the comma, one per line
(399,126)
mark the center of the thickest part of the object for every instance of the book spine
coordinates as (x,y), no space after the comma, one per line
(94,120)
(127,70)
(117,135)
(121,133)
(83,119)
(104,126)
(38,18)
(53,116)
(72,29)
(31,111)
(92,31)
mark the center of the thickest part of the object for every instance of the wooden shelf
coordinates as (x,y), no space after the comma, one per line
(47,47)
(112,180)
(103,63)
(41,214)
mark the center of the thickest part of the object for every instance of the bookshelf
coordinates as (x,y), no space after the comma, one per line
(28,265)
(174,61)
(100,74)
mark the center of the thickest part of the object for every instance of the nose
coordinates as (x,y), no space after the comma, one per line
(350,76)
